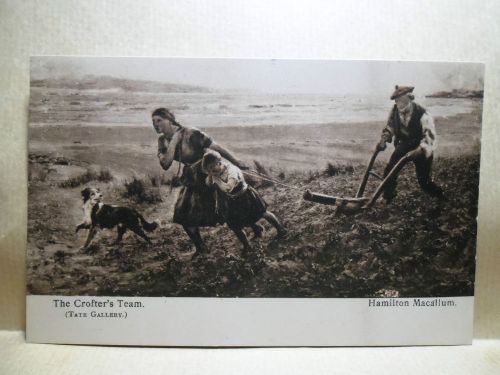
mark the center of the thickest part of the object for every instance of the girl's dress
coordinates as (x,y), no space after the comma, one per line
(239,204)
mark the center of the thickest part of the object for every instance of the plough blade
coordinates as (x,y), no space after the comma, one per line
(350,205)
(343,204)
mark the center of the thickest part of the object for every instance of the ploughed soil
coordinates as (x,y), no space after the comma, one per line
(416,246)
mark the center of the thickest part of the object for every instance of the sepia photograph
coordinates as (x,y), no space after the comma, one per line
(176,177)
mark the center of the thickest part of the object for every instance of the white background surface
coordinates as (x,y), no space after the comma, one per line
(409,30)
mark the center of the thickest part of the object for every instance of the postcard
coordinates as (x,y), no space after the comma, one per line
(252,202)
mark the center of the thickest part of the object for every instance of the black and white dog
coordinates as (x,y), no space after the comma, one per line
(99,215)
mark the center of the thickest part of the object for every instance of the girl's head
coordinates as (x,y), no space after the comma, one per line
(212,163)
(163,122)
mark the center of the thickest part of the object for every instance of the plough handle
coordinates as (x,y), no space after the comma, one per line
(397,168)
(362,187)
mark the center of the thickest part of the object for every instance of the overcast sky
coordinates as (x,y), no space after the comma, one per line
(273,76)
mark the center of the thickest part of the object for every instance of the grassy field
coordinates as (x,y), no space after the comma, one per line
(414,247)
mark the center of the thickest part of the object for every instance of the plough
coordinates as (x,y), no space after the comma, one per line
(359,202)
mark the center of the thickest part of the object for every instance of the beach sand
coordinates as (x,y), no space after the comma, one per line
(128,150)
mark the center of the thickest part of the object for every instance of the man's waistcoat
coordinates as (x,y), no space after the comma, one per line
(412,134)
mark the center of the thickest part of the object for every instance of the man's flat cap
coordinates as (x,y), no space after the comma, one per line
(400,91)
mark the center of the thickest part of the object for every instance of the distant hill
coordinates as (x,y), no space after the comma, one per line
(457,94)
(91,82)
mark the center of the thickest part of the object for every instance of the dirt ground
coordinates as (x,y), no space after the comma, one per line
(413,247)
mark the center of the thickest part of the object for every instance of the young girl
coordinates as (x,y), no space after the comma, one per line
(240,204)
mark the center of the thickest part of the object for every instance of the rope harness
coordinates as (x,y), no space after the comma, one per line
(266,178)
(251,173)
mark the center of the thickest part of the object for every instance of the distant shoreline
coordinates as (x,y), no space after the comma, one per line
(115,126)
(233,127)
(458,94)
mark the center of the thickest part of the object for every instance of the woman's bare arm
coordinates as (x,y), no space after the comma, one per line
(167,158)
(161,145)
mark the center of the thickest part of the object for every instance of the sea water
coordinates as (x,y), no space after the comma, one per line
(53,106)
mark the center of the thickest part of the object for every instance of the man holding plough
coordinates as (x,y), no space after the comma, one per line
(413,131)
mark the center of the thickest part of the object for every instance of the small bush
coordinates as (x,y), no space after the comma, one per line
(103,175)
(335,169)
(138,191)
(135,188)
(312,175)
(61,160)
(162,180)
(42,175)
(157,180)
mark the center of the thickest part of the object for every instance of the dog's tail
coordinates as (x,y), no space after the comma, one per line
(148,226)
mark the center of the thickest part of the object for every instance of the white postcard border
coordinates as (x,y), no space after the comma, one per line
(179,321)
